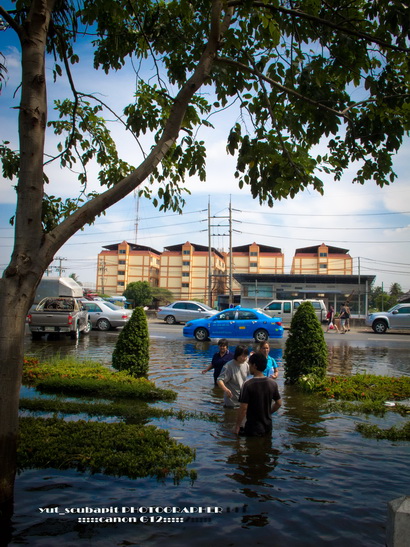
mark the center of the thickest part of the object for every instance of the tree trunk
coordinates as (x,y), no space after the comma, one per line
(13,305)
(34,250)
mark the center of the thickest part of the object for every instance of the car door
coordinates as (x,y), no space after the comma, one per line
(245,324)
(222,325)
(194,311)
(94,311)
(400,318)
(179,311)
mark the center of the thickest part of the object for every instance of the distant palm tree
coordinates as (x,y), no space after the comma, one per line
(75,277)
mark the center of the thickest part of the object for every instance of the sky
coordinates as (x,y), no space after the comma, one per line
(371,223)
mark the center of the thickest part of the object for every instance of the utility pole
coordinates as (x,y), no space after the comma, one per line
(60,268)
(209,255)
(230,232)
(137,216)
(102,269)
(230,255)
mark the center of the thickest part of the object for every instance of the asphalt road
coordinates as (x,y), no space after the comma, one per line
(361,335)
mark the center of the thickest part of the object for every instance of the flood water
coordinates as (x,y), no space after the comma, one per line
(316,482)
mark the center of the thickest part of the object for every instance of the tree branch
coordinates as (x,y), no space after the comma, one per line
(287,90)
(60,234)
(324,22)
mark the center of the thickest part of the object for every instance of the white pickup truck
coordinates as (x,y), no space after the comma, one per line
(59,315)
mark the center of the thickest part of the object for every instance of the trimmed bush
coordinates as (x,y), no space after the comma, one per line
(305,348)
(131,351)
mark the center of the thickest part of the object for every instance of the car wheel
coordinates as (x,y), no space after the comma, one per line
(103,324)
(201,334)
(170,319)
(88,327)
(379,326)
(261,335)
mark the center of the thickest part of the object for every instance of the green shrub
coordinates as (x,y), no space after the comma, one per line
(131,351)
(305,348)
(116,449)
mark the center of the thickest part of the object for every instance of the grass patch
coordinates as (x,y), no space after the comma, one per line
(126,410)
(360,387)
(392,433)
(88,378)
(365,394)
(116,449)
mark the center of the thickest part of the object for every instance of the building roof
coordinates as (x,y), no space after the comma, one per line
(303,278)
(200,248)
(133,247)
(314,249)
(262,248)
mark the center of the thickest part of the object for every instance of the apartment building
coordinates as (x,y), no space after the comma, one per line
(123,263)
(254,259)
(184,270)
(322,260)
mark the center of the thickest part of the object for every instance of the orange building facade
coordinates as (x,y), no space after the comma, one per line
(322,260)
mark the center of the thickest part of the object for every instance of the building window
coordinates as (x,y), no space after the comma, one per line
(253,264)
(185,274)
(253,253)
(121,283)
(122,252)
(121,272)
(121,262)
(322,254)
(322,266)
(185,285)
(186,252)
(185,263)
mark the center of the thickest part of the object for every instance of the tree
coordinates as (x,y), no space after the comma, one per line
(161,296)
(131,351)
(296,72)
(139,292)
(305,348)
(75,277)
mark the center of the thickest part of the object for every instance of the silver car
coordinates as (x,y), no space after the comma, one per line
(183,311)
(104,315)
(397,317)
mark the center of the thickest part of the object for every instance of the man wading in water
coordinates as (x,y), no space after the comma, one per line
(259,399)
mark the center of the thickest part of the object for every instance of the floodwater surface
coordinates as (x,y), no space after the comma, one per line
(316,482)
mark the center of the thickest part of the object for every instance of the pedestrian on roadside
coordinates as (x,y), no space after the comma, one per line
(219,359)
(343,316)
(331,323)
(259,399)
(233,375)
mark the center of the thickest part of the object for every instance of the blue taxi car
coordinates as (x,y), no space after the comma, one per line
(235,323)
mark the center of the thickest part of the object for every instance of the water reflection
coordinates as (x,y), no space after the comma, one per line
(316,482)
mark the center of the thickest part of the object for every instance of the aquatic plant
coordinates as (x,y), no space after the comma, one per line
(121,409)
(88,378)
(116,449)
(392,433)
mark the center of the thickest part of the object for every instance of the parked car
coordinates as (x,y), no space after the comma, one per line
(104,315)
(58,315)
(286,309)
(235,323)
(397,317)
(183,311)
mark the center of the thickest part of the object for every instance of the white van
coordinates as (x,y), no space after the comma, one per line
(285,309)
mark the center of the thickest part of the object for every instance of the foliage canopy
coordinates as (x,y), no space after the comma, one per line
(305,349)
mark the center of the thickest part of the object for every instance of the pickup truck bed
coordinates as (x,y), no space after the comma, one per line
(59,315)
